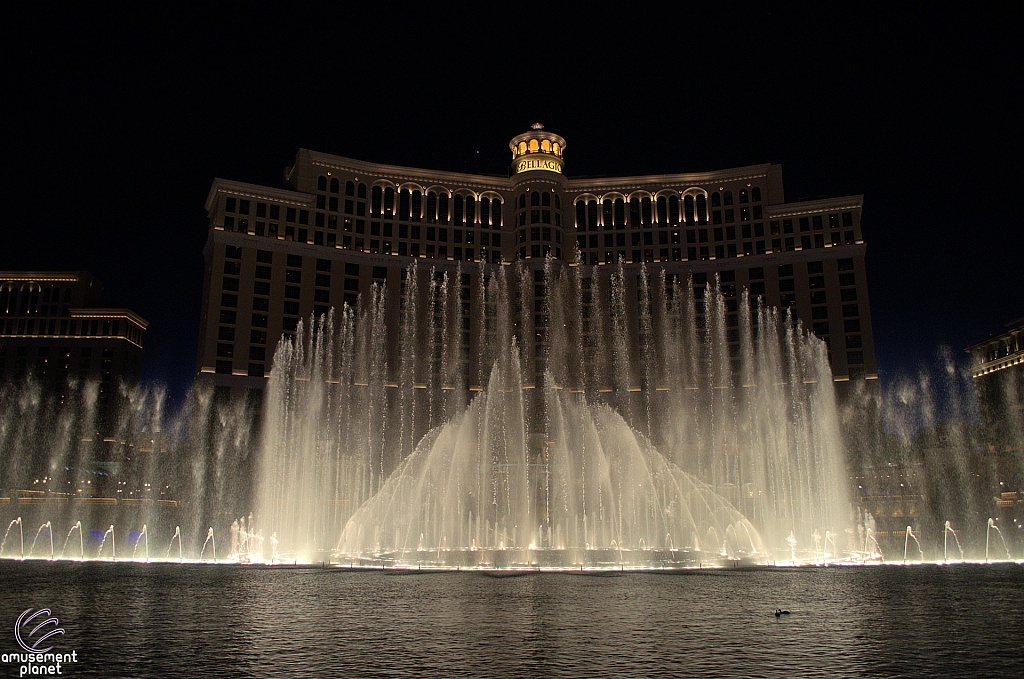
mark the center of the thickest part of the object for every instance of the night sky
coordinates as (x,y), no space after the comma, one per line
(116,123)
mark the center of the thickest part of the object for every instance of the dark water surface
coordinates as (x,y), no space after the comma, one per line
(163,620)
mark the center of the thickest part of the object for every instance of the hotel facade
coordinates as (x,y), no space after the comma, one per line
(338,226)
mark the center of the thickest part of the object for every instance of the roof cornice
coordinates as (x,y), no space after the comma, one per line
(398,172)
(806,207)
(257,191)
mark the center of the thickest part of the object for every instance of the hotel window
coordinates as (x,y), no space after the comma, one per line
(755,194)
(229,284)
(349,188)
(261,288)
(727,198)
(743,195)
(228,300)
(817,222)
(496,212)
(321,202)
(226,334)
(275,212)
(321,183)
(229,204)
(260,304)
(292,291)
(225,350)
(850,310)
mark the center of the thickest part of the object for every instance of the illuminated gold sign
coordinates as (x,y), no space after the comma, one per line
(538,163)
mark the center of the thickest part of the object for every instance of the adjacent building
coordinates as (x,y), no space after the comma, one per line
(338,225)
(53,326)
(997,365)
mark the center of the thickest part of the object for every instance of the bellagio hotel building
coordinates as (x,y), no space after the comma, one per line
(337,226)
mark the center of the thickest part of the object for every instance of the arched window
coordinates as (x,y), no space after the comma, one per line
(645,211)
(716,199)
(534,198)
(417,205)
(534,146)
(634,213)
(442,208)
(522,200)
(545,199)
(673,209)
(361,191)
(558,202)
(321,183)
(470,211)
(457,210)
(608,207)
(743,196)
(376,201)
(592,215)
(431,207)
(556,149)
(727,198)
(662,210)
(689,210)
(545,146)
(620,213)
(496,214)
(702,209)
(349,188)
(403,205)
(485,210)
(581,216)
(755,194)
(522,147)
(389,201)
(335,185)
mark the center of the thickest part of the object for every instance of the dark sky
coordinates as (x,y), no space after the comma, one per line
(117,121)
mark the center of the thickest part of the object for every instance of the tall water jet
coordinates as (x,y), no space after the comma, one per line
(577,434)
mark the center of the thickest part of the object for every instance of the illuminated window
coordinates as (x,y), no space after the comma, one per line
(522,147)
(556,149)
(534,146)
(496,214)
(485,211)
(545,146)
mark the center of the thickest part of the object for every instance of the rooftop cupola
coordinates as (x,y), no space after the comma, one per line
(537,151)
